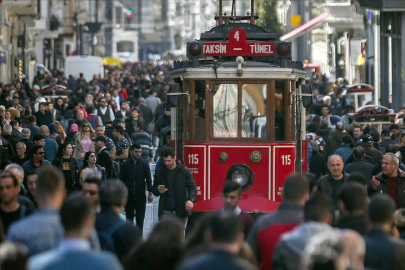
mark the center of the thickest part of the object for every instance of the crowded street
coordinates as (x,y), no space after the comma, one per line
(209,134)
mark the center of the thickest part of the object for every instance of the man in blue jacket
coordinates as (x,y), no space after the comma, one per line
(135,172)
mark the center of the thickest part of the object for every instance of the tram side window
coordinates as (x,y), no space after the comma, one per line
(199,111)
(254,119)
(225,111)
(280,110)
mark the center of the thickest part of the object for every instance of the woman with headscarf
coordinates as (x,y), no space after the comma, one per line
(53,133)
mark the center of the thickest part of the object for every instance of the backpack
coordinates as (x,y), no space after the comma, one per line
(93,122)
(115,169)
(106,239)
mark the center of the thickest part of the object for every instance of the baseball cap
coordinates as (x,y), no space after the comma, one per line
(100,138)
(117,120)
(368,138)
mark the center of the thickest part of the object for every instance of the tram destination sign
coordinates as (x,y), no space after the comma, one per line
(237,46)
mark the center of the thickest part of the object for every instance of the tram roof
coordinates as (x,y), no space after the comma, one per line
(251,69)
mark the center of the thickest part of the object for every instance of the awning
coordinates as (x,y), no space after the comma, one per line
(305,27)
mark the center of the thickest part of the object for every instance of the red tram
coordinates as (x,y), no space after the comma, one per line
(237,105)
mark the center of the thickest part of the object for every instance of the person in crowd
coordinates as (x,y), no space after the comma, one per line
(386,139)
(53,133)
(390,181)
(331,183)
(80,115)
(25,138)
(346,149)
(93,118)
(227,240)
(396,132)
(122,144)
(61,132)
(135,173)
(144,139)
(37,161)
(84,142)
(6,148)
(7,131)
(77,218)
(318,216)
(106,113)
(334,141)
(124,111)
(73,130)
(317,163)
(267,230)
(60,106)
(91,189)
(14,256)
(100,131)
(369,149)
(18,172)
(163,249)
(135,122)
(10,209)
(43,116)
(175,186)
(115,234)
(54,112)
(50,147)
(358,134)
(353,202)
(382,250)
(90,163)
(104,158)
(68,164)
(21,157)
(399,219)
(31,181)
(146,112)
(359,164)
(312,129)
(42,230)
(231,196)
(15,130)
(32,126)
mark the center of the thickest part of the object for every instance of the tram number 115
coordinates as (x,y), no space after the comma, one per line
(286,159)
(193,159)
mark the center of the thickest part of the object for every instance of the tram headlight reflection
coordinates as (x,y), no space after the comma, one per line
(241,174)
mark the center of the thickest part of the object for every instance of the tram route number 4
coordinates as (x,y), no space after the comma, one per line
(286,159)
(193,159)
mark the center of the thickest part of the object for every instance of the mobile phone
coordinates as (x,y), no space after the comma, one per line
(161,186)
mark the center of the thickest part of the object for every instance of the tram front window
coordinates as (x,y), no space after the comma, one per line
(225,111)
(254,120)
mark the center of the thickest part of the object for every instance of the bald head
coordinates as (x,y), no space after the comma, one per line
(339,126)
(44,130)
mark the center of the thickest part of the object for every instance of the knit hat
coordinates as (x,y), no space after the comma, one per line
(74,128)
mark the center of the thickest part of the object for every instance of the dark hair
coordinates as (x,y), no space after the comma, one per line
(112,193)
(385,133)
(14,256)
(354,196)
(119,129)
(50,181)
(312,181)
(90,110)
(296,187)
(357,177)
(375,135)
(225,228)
(381,208)
(317,207)
(135,146)
(93,180)
(62,147)
(42,104)
(198,233)
(394,126)
(348,139)
(168,152)
(162,250)
(32,118)
(74,212)
(7,174)
(35,148)
(231,186)
(38,137)
(313,128)
(86,159)
(358,152)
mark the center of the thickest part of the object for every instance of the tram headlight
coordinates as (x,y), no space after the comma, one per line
(241,174)
(283,50)
(194,49)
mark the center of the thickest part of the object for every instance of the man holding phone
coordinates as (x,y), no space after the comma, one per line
(176,187)
(390,181)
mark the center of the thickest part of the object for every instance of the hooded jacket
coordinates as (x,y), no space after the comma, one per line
(333,142)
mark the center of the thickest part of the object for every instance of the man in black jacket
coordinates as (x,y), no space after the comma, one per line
(104,158)
(175,186)
(135,173)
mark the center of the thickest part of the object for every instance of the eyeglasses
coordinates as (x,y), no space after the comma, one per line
(90,192)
